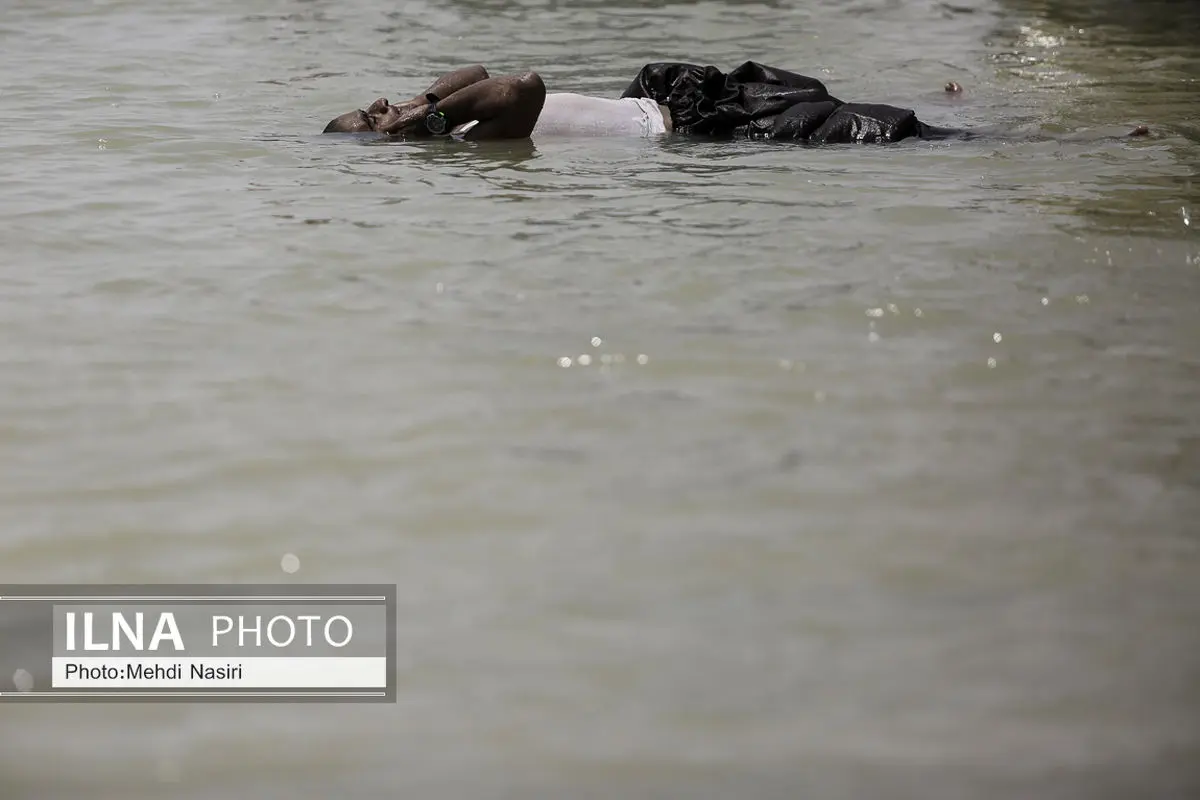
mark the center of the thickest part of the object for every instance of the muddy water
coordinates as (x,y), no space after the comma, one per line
(703,470)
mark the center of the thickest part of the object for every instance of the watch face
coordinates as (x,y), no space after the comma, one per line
(436,123)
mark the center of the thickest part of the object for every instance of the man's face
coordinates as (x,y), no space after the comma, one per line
(378,115)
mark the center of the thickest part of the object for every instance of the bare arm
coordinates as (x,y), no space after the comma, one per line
(454,81)
(506,107)
(381,113)
(444,86)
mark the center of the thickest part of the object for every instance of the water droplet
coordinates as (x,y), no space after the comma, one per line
(1183,212)
(584,360)
(606,359)
(564,362)
(439,287)
(1082,299)
(22,680)
(290,563)
(1045,301)
(643,359)
(918,312)
(819,396)
(892,307)
(872,337)
(596,341)
(785,364)
(991,363)
(874,312)
(997,338)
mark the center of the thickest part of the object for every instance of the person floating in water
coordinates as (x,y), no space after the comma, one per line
(754,101)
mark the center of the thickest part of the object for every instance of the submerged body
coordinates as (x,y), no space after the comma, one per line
(753,100)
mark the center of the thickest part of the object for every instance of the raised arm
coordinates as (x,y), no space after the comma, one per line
(452,82)
(381,112)
(506,107)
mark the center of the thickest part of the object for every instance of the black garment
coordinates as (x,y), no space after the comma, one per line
(761,101)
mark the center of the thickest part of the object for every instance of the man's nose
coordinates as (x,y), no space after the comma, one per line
(380,106)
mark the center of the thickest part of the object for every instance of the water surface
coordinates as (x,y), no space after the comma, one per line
(704,470)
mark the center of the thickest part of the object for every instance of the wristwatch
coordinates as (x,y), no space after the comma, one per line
(435,121)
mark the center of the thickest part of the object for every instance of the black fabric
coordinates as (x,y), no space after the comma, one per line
(867,123)
(801,120)
(761,101)
(704,100)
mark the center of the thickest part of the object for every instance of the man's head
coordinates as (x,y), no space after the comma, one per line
(378,115)
(351,122)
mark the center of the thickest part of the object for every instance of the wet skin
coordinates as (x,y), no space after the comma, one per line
(504,107)
(379,116)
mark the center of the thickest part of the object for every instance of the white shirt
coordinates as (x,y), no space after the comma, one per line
(569,114)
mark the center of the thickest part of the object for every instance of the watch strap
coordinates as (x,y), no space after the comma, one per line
(435,121)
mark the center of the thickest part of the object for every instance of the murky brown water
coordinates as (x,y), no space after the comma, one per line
(880,477)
